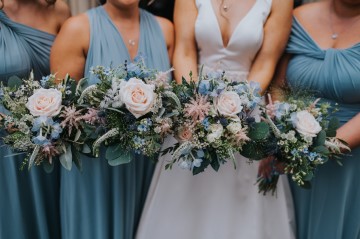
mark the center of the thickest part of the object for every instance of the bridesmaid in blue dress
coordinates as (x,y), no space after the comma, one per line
(104,201)
(29,201)
(323,55)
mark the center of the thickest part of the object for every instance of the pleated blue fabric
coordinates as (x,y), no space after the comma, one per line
(103,201)
(29,201)
(331,208)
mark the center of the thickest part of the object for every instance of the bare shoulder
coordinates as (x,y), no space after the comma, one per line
(77,25)
(62,11)
(165,24)
(310,12)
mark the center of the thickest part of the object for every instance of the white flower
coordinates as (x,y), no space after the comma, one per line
(305,123)
(229,104)
(211,138)
(45,102)
(217,129)
(234,127)
(216,132)
(138,97)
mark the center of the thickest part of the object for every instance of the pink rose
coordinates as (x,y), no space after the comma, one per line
(45,102)
(228,104)
(184,134)
(137,96)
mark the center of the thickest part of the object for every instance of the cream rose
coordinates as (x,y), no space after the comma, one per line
(184,134)
(305,123)
(45,102)
(229,104)
(138,97)
(216,132)
(234,127)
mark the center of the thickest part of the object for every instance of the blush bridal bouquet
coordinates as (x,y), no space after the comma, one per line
(303,138)
(137,105)
(39,120)
(215,121)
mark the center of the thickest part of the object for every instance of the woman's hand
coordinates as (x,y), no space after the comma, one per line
(269,167)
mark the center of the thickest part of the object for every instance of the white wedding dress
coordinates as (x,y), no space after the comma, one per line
(224,204)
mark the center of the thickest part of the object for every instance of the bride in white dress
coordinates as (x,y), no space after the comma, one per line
(245,38)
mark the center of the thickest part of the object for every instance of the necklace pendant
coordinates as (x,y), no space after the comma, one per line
(132,42)
(225,8)
(334,36)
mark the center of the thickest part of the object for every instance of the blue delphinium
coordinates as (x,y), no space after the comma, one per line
(44,81)
(42,121)
(281,110)
(56,131)
(206,123)
(204,87)
(41,140)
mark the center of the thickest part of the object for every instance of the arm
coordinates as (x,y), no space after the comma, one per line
(185,52)
(168,31)
(279,84)
(349,132)
(68,54)
(276,33)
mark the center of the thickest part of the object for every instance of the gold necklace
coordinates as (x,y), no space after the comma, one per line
(334,34)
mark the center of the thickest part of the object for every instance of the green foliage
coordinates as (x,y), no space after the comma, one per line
(332,127)
(253,150)
(259,131)
(320,139)
(14,82)
(115,155)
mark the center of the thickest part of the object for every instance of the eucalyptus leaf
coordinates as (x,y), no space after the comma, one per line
(77,136)
(321,150)
(14,82)
(66,158)
(115,155)
(259,131)
(320,139)
(309,176)
(86,149)
(48,167)
(332,127)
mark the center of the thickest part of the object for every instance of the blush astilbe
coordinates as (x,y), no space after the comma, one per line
(198,108)
(50,151)
(71,116)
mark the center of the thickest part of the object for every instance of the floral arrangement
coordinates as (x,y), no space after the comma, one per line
(137,105)
(215,121)
(302,139)
(42,121)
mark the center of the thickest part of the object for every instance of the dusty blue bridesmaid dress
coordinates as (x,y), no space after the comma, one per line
(331,208)
(29,201)
(103,201)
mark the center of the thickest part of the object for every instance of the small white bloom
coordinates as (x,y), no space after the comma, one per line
(216,129)
(234,127)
